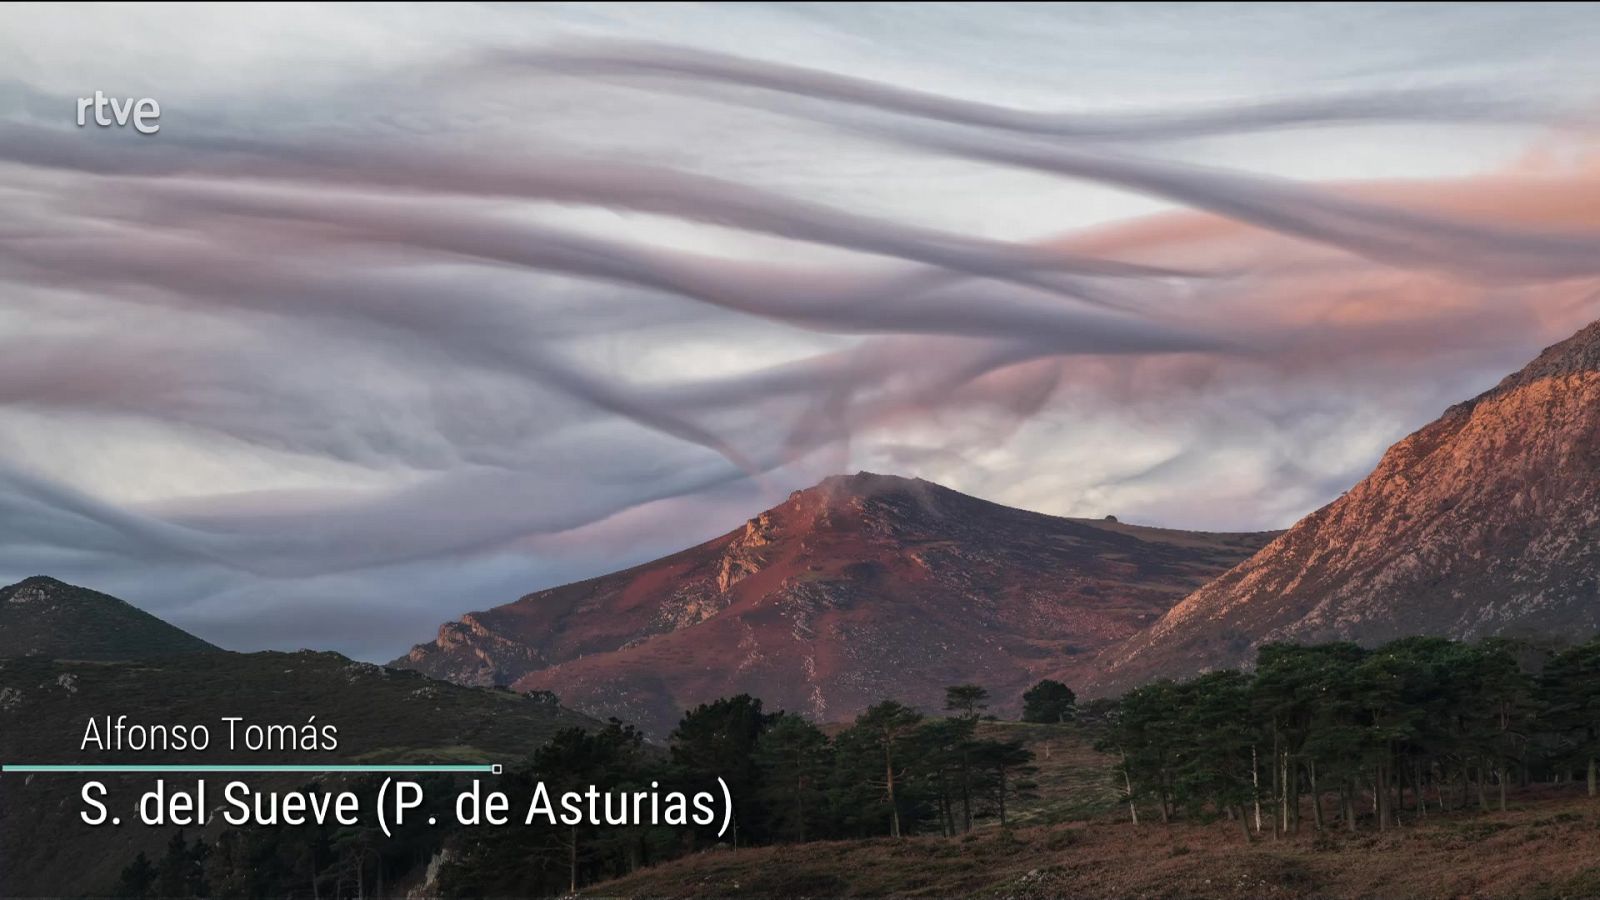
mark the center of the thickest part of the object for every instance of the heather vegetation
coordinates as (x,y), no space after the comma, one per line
(1331,739)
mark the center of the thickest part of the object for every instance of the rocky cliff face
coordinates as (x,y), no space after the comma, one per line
(861,588)
(1485,522)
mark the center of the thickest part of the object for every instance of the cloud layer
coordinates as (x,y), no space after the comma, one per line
(398,359)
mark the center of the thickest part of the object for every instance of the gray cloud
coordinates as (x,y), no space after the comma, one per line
(427,373)
(1385,233)
(699,71)
(545,177)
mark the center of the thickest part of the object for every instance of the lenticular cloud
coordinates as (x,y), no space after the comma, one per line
(334,347)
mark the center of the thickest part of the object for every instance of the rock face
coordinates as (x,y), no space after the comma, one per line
(1485,522)
(861,588)
(44,617)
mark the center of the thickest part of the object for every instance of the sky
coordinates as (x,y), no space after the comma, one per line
(409,310)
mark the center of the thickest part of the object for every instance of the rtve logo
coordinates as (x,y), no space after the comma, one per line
(142,113)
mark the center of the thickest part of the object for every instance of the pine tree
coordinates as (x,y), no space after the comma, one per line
(181,872)
(966,700)
(1215,762)
(1570,686)
(138,878)
(890,724)
(719,739)
(1007,766)
(794,758)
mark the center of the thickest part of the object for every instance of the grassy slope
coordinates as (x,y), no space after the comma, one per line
(383,715)
(1547,846)
(1075,782)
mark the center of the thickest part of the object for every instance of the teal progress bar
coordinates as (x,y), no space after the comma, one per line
(181,769)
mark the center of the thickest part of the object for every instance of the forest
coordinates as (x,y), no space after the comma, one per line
(1348,735)
(1329,736)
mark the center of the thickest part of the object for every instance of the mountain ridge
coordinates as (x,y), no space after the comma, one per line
(1484,522)
(860,587)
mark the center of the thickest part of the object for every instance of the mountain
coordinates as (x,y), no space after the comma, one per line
(41,616)
(860,588)
(1485,522)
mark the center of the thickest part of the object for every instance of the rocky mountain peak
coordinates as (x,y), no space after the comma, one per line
(1578,355)
(853,492)
(33,588)
(815,604)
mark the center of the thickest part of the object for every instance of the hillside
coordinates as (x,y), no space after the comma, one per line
(861,587)
(1545,848)
(383,716)
(1485,522)
(41,616)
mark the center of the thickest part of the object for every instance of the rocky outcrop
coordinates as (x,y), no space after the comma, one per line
(469,652)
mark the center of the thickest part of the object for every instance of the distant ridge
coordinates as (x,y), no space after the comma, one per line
(41,616)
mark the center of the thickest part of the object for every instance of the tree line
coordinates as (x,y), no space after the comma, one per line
(1337,735)
(309,861)
(893,771)
(1345,735)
